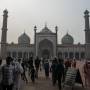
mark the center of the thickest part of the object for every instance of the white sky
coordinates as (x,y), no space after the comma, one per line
(24,14)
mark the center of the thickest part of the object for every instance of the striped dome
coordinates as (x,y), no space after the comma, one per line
(24,39)
(67,39)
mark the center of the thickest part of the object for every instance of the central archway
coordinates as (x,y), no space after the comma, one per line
(45,49)
(45,53)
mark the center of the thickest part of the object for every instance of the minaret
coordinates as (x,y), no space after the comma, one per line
(87,30)
(86,13)
(35,29)
(4,35)
(87,35)
(56,28)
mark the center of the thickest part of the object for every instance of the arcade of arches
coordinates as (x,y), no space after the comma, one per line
(72,55)
(15,54)
(47,53)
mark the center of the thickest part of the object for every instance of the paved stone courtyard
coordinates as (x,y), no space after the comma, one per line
(46,84)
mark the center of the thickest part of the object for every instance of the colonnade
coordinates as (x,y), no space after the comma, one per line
(71,55)
(20,54)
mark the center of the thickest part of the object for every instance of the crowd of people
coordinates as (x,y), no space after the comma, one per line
(14,70)
(87,73)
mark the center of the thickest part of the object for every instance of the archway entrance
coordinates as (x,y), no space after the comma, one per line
(45,53)
(45,49)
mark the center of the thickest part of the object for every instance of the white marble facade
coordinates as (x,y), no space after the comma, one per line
(45,43)
(45,46)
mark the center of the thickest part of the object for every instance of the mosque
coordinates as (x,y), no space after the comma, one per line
(45,43)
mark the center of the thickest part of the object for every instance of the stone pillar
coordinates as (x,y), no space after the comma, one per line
(56,28)
(87,51)
(4,35)
(73,52)
(35,29)
(68,53)
(79,52)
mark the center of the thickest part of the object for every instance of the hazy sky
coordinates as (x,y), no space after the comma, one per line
(24,14)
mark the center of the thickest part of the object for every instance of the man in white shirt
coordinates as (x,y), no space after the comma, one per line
(17,75)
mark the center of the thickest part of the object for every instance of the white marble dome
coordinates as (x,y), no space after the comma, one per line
(67,39)
(24,39)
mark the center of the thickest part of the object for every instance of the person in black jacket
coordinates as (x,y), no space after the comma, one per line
(54,71)
(37,65)
(60,72)
(23,75)
(46,67)
(33,74)
(30,64)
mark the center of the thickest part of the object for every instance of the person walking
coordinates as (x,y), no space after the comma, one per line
(23,75)
(33,74)
(54,71)
(30,64)
(37,65)
(46,67)
(17,75)
(60,72)
(7,75)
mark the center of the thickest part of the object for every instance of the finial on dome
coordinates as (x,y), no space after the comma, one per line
(24,31)
(45,24)
(67,31)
